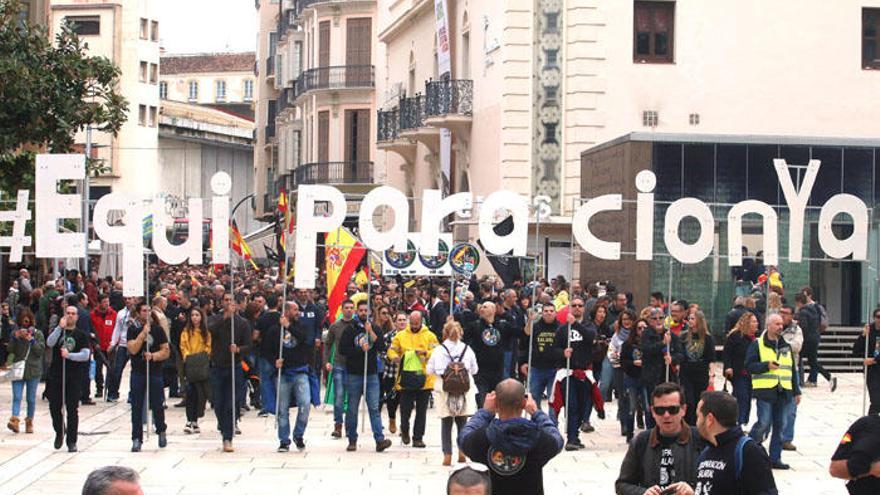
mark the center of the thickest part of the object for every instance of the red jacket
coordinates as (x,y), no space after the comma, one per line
(104,324)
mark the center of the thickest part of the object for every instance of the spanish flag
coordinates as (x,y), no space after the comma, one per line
(283,226)
(343,253)
(239,245)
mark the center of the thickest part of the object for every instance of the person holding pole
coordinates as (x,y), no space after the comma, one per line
(335,363)
(361,347)
(575,339)
(867,347)
(293,363)
(661,353)
(227,348)
(70,358)
(545,357)
(148,347)
(267,352)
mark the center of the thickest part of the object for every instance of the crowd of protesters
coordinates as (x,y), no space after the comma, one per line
(410,345)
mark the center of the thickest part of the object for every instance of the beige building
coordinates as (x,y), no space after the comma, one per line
(127,33)
(265,107)
(35,11)
(222,80)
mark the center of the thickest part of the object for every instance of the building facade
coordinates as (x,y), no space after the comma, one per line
(265,107)
(127,33)
(707,95)
(221,80)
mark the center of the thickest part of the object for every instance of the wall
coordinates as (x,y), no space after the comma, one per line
(178,86)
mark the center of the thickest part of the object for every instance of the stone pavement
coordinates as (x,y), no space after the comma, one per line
(193,464)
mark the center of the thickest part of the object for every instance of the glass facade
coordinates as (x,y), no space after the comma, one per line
(722,174)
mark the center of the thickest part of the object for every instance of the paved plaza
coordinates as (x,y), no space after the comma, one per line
(193,464)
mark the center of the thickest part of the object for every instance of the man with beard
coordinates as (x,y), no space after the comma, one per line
(70,358)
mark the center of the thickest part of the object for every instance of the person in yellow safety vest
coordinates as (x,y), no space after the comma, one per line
(774,386)
(412,347)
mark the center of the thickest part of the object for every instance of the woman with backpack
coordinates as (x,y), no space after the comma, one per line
(454,364)
(195,350)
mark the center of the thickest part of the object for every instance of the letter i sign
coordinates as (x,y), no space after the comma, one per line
(19,218)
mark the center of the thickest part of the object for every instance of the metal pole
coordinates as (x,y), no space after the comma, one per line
(534,290)
(63,382)
(86,196)
(281,335)
(232,338)
(366,354)
(567,377)
(147,391)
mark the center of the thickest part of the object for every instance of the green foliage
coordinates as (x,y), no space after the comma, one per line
(48,92)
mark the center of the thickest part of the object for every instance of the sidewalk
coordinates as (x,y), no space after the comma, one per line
(193,464)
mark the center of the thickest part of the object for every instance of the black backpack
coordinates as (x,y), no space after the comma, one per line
(456,379)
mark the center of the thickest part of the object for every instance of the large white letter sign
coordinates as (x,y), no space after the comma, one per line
(308,225)
(52,206)
(734,231)
(857,243)
(518,206)
(797,204)
(129,235)
(191,249)
(221,185)
(396,235)
(698,251)
(434,209)
(580,226)
(646,181)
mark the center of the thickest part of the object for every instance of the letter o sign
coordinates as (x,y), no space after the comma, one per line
(683,252)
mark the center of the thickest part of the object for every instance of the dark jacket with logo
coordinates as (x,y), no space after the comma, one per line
(716,468)
(641,465)
(487,341)
(582,336)
(515,450)
(545,355)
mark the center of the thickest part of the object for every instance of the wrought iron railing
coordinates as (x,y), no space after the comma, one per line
(449,97)
(412,112)
(387,125)
(285,99)
(270,129)
(331,173)
(336,77)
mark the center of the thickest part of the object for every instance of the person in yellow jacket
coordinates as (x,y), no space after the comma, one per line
(412,348)
(195,340)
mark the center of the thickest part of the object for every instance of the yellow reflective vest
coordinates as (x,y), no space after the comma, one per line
(781,376)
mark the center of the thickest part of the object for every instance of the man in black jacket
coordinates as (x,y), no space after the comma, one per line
(732,464)
(296,351)
(662,352)
(575,339)
(485,336)
(665,457)
(515,448)
(871,357)
(545,356)
(266,354)
(857,458)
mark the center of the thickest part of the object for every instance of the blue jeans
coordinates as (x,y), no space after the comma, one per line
(268,380)
(354,385)
(221,386)
(577,406)
(139,384)
(606,379)
(791,416)
(636,394)
(772,414)
(339,384)
(120,359)
(742,390)
(18,387)
(541,382)
(508,361)
(293,385)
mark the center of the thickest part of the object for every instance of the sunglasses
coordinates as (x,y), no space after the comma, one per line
(656,318)
(662,410)
(577,305)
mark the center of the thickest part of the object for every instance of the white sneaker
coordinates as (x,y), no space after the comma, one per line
(188,429)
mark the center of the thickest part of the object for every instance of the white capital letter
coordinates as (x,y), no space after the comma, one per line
(797,204)
(580,226)
(52,206)
(308,225)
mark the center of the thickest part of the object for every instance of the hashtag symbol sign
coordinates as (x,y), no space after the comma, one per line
(19,218)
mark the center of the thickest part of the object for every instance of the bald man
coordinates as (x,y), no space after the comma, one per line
(515,448)
(774,385)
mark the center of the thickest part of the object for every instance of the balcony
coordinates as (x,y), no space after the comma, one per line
(331,173)
(388,136)
(285,100)
(270,66)
(270,130)
(413,114)
(335,78)
(302,5)
(450,104)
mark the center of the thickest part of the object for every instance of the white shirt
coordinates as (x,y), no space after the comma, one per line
(440,359)
(120,333)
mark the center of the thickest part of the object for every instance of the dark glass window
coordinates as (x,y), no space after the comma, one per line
(762,181)
(870,38)
(828,182)
(858,173)
(667,167)
(653,31)
(699,171)
(731,170)
(84,25)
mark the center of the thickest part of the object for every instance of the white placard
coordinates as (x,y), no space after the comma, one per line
(308,225)
(580,226)
(857,243)
(518,207)
(52,207)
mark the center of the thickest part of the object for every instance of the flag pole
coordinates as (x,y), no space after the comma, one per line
(366,354)
(232,337)
(567,378)
(281,330)
(534,290)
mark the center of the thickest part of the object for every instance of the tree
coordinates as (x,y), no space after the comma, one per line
(48,92)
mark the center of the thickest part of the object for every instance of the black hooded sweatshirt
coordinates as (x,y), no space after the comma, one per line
(716,468)
(545,355)
(515,450)
(582,337)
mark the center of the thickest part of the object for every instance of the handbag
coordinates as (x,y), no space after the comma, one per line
(18,366)
(197,367)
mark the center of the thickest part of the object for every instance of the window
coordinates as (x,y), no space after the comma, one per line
(163,90)
(85,25)
(653,32)
(143,72)
(248,90)
(193,90)
(154,116)
(142,115)
(154,30)
(220,91)
(154,73)
(870,38)
(145,28)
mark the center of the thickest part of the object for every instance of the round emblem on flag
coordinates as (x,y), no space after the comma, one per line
(401,260)
(435,262)
(464,258)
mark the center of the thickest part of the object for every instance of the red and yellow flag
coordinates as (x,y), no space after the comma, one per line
(239,245)
(344,254)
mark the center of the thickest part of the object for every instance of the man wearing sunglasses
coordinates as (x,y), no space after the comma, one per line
(662,460)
